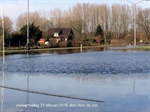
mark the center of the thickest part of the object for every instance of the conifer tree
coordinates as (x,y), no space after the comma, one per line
(34,32)
(99,31)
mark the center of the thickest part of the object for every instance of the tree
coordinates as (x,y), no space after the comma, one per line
(1,38)
(99,35)
(115,20)
(7,28)
(34,33)
(21,21)
(1,30)
(99,31)
(144,22)
(7,25)
(38,18)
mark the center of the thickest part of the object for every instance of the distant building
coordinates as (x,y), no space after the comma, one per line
(41,41)
(60,34)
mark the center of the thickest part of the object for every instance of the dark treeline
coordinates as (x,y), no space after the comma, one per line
(116,21)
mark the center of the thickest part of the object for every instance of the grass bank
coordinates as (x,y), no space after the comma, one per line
(132,48)
(145,47)
(48,49)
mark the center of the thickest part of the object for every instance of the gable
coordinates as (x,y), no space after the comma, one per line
(60,32)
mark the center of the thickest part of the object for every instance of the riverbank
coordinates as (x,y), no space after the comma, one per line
(141,47)
(49,49)
(145,47)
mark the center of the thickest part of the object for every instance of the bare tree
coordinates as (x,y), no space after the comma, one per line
(36,17)
(75,20)
(116,20)
(1,37)
(7,28)
(144,21)
(7,25)
(21,21)
(104,18)
(125,19)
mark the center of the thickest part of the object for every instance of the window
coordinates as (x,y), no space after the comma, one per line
(56,34)
(65,39)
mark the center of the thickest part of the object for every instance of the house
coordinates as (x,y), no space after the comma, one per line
(60,34)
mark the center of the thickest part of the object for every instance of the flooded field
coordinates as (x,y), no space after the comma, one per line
(120,79)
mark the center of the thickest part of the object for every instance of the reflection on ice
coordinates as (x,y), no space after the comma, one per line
(2,93)
(2,77)
(127,91)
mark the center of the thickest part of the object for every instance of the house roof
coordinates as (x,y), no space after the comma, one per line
(63,32)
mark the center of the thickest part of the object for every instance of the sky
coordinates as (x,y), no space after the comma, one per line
(13,8)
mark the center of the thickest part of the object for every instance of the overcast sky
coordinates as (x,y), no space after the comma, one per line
(13,8)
